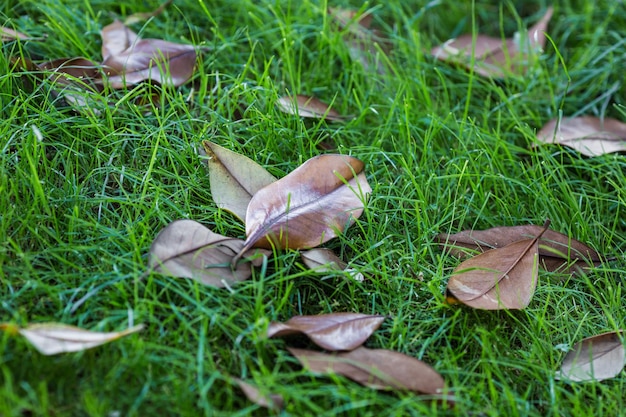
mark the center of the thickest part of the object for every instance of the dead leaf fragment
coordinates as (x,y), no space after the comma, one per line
(187,249)
(54,338)
(234,178)
(588,135)
(324,260)
(8,34)
(141,17)
(337,331)
(309,206)
(305,106)
(595,358)
(494,57)
(271,401)
(375,368)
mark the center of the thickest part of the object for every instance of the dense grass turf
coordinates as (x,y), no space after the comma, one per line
(83,194)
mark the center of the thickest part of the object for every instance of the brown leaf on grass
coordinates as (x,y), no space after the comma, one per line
(305,106)
(324,260)
(375,368)
(143,16)
(187,249)
(273,402)
(588,135)
(556,250)
(503,278)
(337,331)
(595,358)
(8,35)
(309,206)
(128,59)
(54,338)
(234,178)
(495,57)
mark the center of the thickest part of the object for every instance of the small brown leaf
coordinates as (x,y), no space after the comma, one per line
(499,278)
(309,206)
(271,401)
(588,135)
(8,34)
(305,106)
(337,331)
(494,57)
(375,368)
(187,249)
(324,260)
(234,178)
(595,358)
(141,17)
(54,338)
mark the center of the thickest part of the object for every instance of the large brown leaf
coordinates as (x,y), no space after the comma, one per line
(305,106)
(234,178)
(309,206)
(556,250)
(187,249)
(499,278)
(375,368)
(128,59)
(595,358)
(494,57)
(337,331)
(588,135)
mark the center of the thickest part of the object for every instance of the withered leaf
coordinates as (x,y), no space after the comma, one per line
(234,178)
(595,358)
(556,250)
(337,331)
(502,278)
(309,206)
(128,59)
(140,17)
(54,338)
(187,249)
(271,401)
(494,57)
(305,106)
(375,368)
(8,34)
(324,260)
(588,135)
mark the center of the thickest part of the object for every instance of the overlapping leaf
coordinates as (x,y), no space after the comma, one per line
(305,106)
(595,358)
(337,331)
(588,135)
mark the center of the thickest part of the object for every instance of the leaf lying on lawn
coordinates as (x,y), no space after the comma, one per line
(271,401)
(375,368)
(590,136)
(8,34)
(495,57)
(54,338)
(305,106)
(234,178)
(324,260)
(337,331)
(187,249)
(499,278)
(128,59)
(309,206)
(556,250)
(595,358)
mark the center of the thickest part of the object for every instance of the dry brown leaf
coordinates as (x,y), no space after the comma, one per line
(324,260)
(187,249)
(273,402)
(8,34)
(337,331)
(503,278)
(494,57)
(588,135)
(309,206)
(234,178)
(128,59)
(595,358)
(375,368)
(54,338)
(305,106)
(556,250)
(141,17)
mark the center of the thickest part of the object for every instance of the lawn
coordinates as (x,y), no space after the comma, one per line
(84,190)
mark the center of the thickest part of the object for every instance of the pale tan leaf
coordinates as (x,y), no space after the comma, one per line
(141,17)
(324,260)
(305,106)
(595,358)
(271,401)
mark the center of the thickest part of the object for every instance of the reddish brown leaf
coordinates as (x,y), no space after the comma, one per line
(494,57)
(309,206)
(234,178)
(595,358)
(499,278)
(305,106)
(590,136)
(271,401)
(187,249)
(324,260)
(375,368)
(337,331)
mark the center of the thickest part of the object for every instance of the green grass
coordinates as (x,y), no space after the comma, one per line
(82,196)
